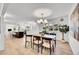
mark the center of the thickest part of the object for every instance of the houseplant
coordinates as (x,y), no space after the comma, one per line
(45,29)
(64,29)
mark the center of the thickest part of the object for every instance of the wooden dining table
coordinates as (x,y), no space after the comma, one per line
(50,37)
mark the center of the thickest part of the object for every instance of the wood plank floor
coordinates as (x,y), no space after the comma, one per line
(15,46)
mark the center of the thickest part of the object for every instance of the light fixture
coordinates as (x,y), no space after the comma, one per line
(42,20)
(42,14)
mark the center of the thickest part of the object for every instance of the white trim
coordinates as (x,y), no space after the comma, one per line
(2,5)
(72,9)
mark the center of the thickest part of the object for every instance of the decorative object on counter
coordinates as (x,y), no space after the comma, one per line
(50,28)
(56,27)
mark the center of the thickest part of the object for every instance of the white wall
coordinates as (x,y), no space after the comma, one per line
(2,33)
(73,42)
(8,26)
(1,28)
(74,45)
(57,21)
(33,26)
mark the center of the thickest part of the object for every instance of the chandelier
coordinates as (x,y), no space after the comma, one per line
(42,20)
(42,14)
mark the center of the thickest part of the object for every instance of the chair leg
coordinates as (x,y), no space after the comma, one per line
(31,42)
(53,49)
(25,44)
(38,47)
(50,51)
(33,45)
(41,46)
(41,49)
(55,43)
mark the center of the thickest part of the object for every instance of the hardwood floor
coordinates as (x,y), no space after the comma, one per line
(15,46)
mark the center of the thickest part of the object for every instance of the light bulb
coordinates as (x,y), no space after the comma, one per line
(41,20)
(45,21)
(38,21)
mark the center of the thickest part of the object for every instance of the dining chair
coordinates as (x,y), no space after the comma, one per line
(47,43)
(54,37)
(37,41)
(28,39)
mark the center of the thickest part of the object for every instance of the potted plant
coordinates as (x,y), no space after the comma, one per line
(45,29)
(64,29)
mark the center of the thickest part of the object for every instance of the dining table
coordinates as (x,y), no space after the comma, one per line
(45,36)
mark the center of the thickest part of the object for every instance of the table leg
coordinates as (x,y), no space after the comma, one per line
(38,45)
(41,45)
(55,42)
(33,42)
(50,46)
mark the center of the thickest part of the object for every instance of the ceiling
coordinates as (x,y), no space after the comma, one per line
(25,11)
